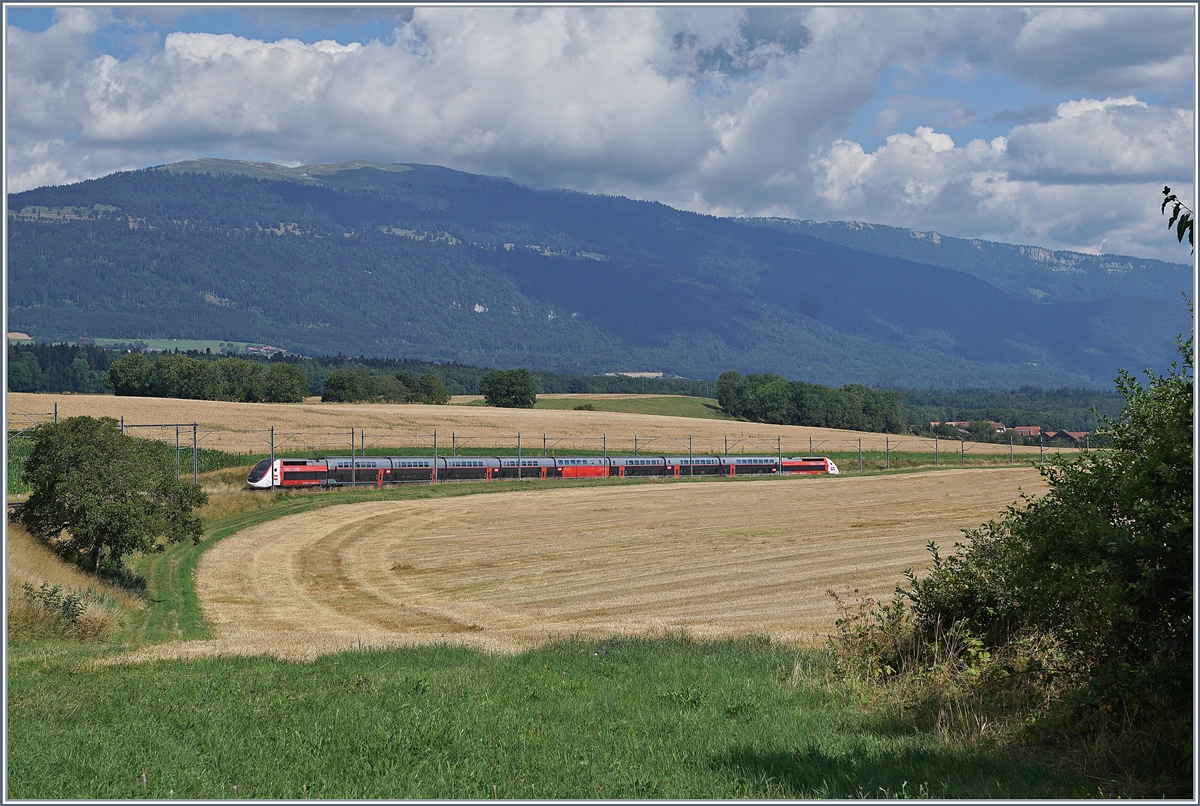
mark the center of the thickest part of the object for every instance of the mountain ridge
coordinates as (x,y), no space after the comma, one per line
(416,261)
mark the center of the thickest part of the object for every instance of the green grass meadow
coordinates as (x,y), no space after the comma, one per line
(624,718)
(216,345)
(618,718)
(670,405)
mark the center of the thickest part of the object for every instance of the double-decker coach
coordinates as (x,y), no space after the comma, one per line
(749,465)
(623,466)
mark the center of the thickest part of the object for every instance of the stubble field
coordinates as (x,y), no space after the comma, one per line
(508,571)
(243,427)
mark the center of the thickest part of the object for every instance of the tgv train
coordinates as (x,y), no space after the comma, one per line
(336,471)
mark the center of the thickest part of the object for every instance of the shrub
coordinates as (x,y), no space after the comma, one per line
(49,612)
(66,606)
(1073,608)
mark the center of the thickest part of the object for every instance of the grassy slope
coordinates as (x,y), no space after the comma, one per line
(622,718)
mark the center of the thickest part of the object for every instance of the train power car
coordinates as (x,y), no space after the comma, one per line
(810,465)
(337,471)
(288,473)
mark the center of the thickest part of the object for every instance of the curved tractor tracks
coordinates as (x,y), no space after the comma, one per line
(506,571)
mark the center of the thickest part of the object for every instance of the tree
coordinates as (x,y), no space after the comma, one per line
(80,376)
(433,391)
(24,374)
(409,385)
(768,398)
(729,393)
(509,388)
(285,383)
(129,375)
(235,379)
(336,388)
(349,387)
(391,390)
(98,495)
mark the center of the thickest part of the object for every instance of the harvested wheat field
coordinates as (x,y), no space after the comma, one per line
(505,571)
(325,427)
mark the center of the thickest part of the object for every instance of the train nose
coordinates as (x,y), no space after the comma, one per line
(260,474)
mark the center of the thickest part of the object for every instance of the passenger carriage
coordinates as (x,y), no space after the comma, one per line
(677,466)
(749,465)
(623,466)
(540,467)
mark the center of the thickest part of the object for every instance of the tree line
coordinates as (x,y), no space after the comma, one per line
(60,368)
(1053,409)
(359,386)
(507,388)
(181,376)
(57,368)
(774,399)
(80,368)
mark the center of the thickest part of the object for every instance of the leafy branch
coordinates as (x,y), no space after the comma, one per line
(1181,214)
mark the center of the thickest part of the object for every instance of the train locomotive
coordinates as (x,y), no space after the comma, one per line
(338,471)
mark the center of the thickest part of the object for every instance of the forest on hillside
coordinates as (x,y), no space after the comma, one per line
(452,268)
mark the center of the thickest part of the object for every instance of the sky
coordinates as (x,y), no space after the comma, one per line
(1053,126)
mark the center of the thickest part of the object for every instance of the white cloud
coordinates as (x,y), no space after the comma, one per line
(1090,176)
(724,110)
(1111,139)
(1103,50)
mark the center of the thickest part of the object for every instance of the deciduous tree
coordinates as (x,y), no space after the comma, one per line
(98,495)
(509,388)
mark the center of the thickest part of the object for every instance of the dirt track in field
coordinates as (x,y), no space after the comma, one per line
(325,427)
(510,570)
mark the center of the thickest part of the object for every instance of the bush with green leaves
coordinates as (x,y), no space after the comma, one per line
(98,495)
(1101,564)
(67,607)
